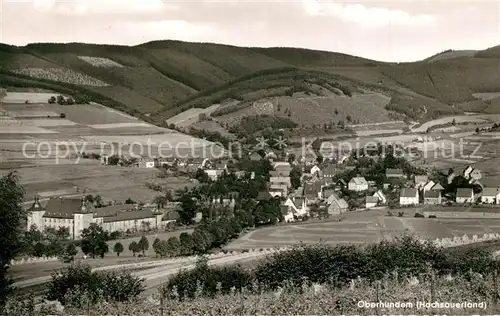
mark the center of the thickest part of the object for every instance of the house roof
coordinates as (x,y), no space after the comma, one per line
(113,209)
(298,202)
(490,183)
(359,181)
(394,172)
(408,192)
(421,179)
(328,192)
(66,208)
(432,194)
(464,192)
(36,206)
(329,170)
(171,216)
(337,202)
(284,209)
(437,187)
(491,191)
(371,199)
(130,215)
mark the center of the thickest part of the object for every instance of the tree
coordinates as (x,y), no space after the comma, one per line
(143,245)
(173,246)
(70,101)
(52,100)
(39,250)
(133,247)
(118,248)
(188,209)
(161,248)
(70,251)
(453,122)
(156,243)
(295,175)
(186,241)
(60,100)
(11,232)
(94,241)
(129,201)
(62,115)
(62,233)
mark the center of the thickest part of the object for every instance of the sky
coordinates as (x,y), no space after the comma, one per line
(394,31)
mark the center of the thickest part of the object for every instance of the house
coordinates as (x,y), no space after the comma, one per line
(329,171)
(166,162)
(336,205)
(490,196)
(408,196)
(298,205)
(394,173)
(287,213)
(214,174)
(316,171)
(327,193)
(358,184)
(277,189)
(77,215)
(437,187)
(465,195)
(471,173)
(371,201)
(380,196)
(283,167)
(432,197)
(313,191)
(146,163)
(421,181)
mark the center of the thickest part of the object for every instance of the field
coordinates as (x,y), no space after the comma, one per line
(42,149)
(364,227)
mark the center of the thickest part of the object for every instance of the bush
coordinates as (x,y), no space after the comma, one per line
(419,215)
(70,284)
(62,115)
(211,279)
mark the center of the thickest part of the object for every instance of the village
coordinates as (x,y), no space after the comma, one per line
(294,188)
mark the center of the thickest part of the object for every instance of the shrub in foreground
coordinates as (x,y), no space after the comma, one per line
(77,285)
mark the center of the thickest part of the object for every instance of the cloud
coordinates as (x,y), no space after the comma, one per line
(100,7)
(365,16)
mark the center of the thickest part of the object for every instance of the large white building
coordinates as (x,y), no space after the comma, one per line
(77,215)
(409,196)
(358,184)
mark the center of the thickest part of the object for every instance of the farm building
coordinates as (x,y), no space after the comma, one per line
(432,197)
(371,201)
(327,193)
(380,196)
(77,215)
(336,205)
(358,184)
(490,196)
(408,196)
(313,191)
(394,173)
(465,195)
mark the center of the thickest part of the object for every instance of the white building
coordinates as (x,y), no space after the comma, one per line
(358,184)
(490,196)
(408,196)
(77,215)
(465,195)
(380,196)
(298,205)
(371,201)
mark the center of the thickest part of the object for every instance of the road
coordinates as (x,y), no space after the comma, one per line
(157,272)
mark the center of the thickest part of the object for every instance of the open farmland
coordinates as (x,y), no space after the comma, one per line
(31,97)
(43,150)
(365,227)
(61,75)
(100,62)
(480,118)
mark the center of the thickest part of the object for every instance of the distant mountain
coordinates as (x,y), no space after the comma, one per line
(160,79)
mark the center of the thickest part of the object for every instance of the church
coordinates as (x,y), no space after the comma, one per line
(77,214)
